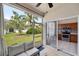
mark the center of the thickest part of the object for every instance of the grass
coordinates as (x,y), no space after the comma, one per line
(13,38)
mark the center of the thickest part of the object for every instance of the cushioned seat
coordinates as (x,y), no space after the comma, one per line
(32,52)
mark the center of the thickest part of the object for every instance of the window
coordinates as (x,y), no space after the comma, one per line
(20,29)
(15,26)
(38,31)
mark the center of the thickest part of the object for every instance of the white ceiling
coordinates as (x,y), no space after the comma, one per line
(59,10)
(44,6)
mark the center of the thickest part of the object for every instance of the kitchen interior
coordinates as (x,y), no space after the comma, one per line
(67,35)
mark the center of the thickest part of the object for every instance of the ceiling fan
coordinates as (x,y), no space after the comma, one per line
(49,4)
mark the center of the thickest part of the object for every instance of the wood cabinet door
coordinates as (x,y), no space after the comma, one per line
(73,38)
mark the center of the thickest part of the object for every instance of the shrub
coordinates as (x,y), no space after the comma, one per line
(35,30)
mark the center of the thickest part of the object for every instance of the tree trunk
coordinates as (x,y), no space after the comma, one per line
(20,32)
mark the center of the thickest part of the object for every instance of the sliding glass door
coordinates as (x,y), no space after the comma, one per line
(51,34)
(67,36)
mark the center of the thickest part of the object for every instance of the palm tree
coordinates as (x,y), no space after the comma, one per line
(17,22)
(31,19)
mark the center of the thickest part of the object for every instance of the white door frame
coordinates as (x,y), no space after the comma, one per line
(78,30)
(1,29)
(70,17)
(78,37)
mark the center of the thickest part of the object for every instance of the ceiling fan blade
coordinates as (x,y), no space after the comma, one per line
(38,4)
(50,5)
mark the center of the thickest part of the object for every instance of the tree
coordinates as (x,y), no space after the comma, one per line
(36,29)
(31,19)
(8,25)
(17,22)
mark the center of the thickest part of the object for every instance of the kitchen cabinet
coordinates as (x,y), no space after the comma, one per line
(73,35)
(73,38)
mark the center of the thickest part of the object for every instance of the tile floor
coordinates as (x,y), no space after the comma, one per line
(68,47)
(48,51)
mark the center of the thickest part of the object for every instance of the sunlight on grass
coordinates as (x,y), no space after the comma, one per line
(13,38)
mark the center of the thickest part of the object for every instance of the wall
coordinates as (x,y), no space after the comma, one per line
(71,20)
(78,37)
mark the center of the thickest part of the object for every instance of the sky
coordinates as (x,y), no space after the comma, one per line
(8,12)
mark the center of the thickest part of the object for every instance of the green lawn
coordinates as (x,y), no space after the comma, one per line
(13,38)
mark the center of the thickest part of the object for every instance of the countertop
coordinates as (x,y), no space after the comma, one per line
(71,33)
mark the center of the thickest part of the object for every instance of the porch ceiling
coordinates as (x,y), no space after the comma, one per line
(43,8)
(60,10)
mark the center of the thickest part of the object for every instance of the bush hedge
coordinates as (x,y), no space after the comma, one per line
(33,30)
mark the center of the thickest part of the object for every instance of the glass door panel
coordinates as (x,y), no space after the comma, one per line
(51,34)
(67,36)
